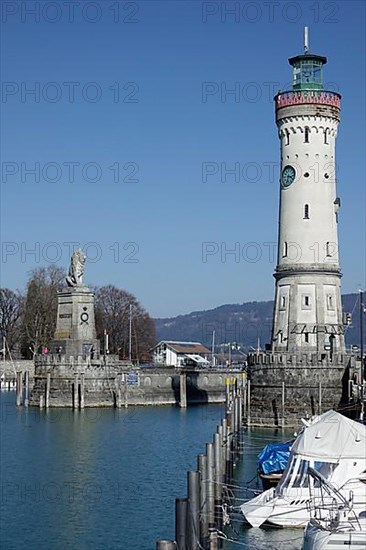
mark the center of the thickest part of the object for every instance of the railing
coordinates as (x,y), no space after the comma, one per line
(303,97)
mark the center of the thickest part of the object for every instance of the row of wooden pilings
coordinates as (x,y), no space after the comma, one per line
(200,518)
(22,391)
(22,388)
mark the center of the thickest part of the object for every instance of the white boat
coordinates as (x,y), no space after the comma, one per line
(336,525)
(7,384)
(331,444)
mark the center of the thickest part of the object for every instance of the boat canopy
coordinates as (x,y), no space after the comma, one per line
(332,436)
(274,457)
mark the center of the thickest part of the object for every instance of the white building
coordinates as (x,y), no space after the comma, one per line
(181,354)
(308,310)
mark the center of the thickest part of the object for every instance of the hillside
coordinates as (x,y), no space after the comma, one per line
(242,323)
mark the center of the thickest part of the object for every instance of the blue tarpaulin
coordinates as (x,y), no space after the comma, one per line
(274,457)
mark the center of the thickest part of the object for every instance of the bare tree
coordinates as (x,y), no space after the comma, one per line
(112,314)
(11,309)
(40,309)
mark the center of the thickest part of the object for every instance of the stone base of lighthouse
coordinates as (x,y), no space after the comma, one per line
(284,388)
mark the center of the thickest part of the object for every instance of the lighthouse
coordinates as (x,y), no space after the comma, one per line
(308,310)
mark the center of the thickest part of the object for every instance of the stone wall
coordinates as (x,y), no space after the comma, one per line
(10,368)
(115,385)
(282,392)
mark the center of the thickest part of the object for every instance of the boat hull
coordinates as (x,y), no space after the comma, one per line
(319,539)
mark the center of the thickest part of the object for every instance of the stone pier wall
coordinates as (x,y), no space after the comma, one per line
(116,385)
(10,368)
(287,388)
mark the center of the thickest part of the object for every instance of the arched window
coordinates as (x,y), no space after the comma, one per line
(306,212)
(306,135)
(284,250)
(287,142)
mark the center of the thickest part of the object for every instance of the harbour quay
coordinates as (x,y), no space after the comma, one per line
(117,384)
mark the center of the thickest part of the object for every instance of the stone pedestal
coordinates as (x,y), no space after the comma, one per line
(283,392)
(75,333)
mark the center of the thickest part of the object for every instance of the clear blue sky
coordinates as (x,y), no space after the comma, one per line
(161,126)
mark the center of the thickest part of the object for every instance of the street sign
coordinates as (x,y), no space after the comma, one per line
(133,379)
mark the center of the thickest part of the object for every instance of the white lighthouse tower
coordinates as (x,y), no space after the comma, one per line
(308,309)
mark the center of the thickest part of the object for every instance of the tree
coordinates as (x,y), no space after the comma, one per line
(11,309)
(112,314)
(40,309)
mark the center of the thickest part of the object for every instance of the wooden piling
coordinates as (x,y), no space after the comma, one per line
(218,480)
(193,509)
(224,449)
(75,400)
(220,431)
(214,540)
(19,387)
(202,468)
(166,545)
(210,485)
(248,403)
(48,386)
(227,387)
(240,412)
(82,390)
(119,396)
(183,390)
(229,456)
(26,398)
(181,523)
(126,390)
(245,414)
(320,398)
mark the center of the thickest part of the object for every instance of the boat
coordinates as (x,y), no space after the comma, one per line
(272,461)
(335,447)
(7,384)
(334,522)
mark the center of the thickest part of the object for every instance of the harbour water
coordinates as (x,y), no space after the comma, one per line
(107,478)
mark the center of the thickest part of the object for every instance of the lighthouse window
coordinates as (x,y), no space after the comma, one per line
(283,301)
(284,250)
(326,137)
(306,212)
(306,337)
(287,142)
(330,302)
(306,301)
(306,135)
(327,249)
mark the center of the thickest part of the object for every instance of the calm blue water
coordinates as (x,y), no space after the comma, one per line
(106,478)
